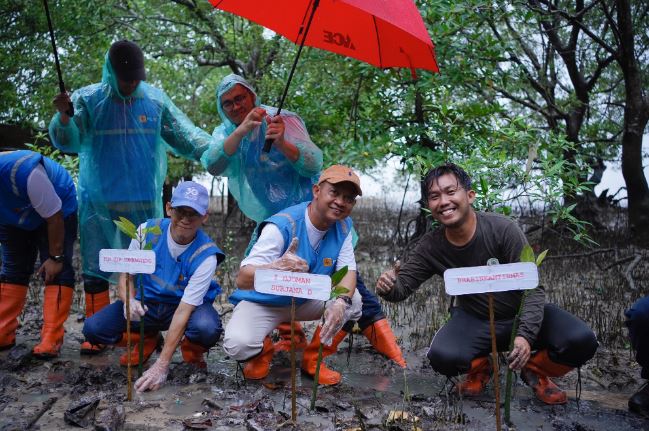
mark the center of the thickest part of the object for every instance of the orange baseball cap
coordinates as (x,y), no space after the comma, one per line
(338,173)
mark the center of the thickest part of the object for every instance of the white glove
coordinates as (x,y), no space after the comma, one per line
(290,261)
(154,377)
(137,310)
(337,312)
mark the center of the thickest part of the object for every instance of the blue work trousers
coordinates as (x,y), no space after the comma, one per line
(108,325)
(20,248)
(372,310)
(638,323)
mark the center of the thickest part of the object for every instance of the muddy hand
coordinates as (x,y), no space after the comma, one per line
(154,377)
(51,269)
(291,261)
(520,354)
(388,279)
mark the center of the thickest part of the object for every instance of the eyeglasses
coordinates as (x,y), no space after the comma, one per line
(335,194)
(228,105)
(188,214)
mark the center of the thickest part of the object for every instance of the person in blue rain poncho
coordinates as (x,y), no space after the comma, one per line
(122,129)
(265,183)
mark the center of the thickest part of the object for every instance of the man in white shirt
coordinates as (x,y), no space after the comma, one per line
(178,296)
(38,216)
(314,237)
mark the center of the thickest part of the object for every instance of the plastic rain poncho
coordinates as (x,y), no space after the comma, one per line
(122,144)
(263,183)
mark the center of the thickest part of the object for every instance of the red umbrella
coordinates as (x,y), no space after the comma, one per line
(384,33)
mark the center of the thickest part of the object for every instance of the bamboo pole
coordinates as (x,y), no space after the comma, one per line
(494,356)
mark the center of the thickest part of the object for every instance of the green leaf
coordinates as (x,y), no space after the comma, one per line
(540,257)
(155,229)
(129,224)
(125,229)
(337,291)
(148,246)
(339,275)
(527,254)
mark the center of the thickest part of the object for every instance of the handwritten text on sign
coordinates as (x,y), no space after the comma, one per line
(296,284)
(131,261)
(492,278)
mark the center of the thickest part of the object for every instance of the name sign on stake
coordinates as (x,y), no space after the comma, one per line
(296,284)
(131,261)
(491,278)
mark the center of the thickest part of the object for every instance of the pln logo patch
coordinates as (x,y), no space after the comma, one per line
(142,118)
(327,261)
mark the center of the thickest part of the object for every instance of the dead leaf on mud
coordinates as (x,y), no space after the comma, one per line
(400,416)
(274,385)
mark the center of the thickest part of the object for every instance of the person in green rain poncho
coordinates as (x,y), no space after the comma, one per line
(122,129)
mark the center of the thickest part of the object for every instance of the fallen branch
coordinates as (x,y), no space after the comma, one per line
(628,273)
(590,253)
(48,405)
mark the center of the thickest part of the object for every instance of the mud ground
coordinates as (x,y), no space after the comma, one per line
(91,391)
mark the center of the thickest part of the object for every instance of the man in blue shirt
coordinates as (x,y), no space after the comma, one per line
(38,215)
(178,296)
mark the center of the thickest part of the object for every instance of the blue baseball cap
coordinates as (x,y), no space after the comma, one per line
(191,194)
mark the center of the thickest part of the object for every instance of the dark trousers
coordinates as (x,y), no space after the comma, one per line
(108,325)
(569,340)
(20,248)
(372,310)
(638,323)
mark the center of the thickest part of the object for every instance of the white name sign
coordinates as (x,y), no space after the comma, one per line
(491,278)
(131,261)
(296,284)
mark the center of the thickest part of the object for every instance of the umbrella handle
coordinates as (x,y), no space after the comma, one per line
(70,110)
(267,145)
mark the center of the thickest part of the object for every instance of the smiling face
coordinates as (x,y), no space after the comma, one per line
(449,202)
(185,222)
(237,103)
(332,202)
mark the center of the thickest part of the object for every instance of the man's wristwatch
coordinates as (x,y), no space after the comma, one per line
(346,299)
(58,259)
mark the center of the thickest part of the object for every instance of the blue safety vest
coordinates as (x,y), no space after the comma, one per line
(16,208)
(291,224)
(167,284)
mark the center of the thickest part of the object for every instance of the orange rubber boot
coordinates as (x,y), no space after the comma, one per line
(382,338)
(193,353)
(284,342)
(259,366)
(94,303)
(12,301)
(310,358)
(537,373)
(152,341)
(476,379)
(56,308)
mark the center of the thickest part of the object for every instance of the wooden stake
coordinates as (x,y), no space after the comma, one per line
(494,357)
(129,377)
(293,388)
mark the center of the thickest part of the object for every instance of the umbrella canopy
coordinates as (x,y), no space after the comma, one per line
(383,33)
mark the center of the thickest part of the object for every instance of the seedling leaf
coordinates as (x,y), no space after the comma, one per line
(337,291)
(338,275)
(125,229)
(527,254)
(540,257)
